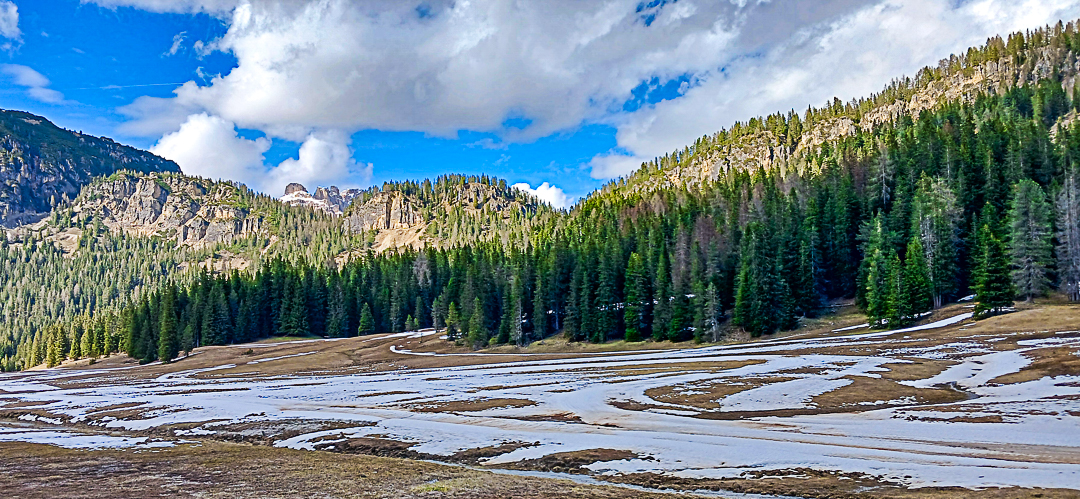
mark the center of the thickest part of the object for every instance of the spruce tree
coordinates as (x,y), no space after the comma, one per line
(367,322)
(915,294)
(993,288)
(168,339)
(453,322)
(876,282)
(633,313)
(935,220)
(478,334)
(1030,246)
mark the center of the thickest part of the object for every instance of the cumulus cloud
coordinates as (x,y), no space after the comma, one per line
(318,70)
(546,193)
(36,83)
(324,159)
(9,20)
(209,146)
(304,65)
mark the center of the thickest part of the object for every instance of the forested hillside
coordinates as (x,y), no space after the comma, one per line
(42,165)
(452,210)
(962,180)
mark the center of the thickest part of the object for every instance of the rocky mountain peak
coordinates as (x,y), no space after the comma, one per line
(294,188)
(328,199)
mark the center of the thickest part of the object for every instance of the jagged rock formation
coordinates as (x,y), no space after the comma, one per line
(329,199)
(192,211)
(42,165)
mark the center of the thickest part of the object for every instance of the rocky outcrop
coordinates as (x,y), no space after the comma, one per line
(42,165)
(191,211)
(385,210)
(329,199)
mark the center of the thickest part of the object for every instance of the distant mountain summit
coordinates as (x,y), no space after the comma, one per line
(328,199)
(42,165)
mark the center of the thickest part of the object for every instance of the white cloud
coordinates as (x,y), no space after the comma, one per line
(325,158)
(36,83)
(9,20)
(849,57)
(311,69)
(177,43)
(209,146)
(172,6)
(25,76)
(337,64)
(547,193)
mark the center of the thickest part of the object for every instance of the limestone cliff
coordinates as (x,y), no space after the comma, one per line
(42,165)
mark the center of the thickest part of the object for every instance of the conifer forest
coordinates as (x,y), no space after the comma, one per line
(976,196)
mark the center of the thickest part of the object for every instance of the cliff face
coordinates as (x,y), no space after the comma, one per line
(192,211)
(42,165)
(455,210)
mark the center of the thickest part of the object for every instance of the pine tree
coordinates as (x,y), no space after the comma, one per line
(915,294)
(168,339)
(367,322)
(662,308)
(1030,246)
(894,308)
(633,312)
(478,334)
(453,322)
(876,266)
(993,288)
(760,306)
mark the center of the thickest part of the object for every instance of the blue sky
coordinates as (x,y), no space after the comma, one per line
(572,93)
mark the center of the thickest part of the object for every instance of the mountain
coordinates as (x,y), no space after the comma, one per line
(329,199)
(753,228)
(790,140)
(42,165)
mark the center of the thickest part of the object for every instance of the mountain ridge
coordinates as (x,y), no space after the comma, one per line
(42,165)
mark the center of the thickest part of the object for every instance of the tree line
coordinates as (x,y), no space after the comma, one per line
(973,197)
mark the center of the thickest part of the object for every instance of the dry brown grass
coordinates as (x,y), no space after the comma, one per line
(871,393)
(470,405)
(225,470)
(1060,361)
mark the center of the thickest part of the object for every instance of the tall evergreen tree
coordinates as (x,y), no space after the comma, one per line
(367,322)
(1030,219)
(993,288)
(633,312)
(935,219)
(168,339)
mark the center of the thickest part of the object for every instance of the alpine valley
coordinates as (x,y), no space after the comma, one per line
(874,298)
